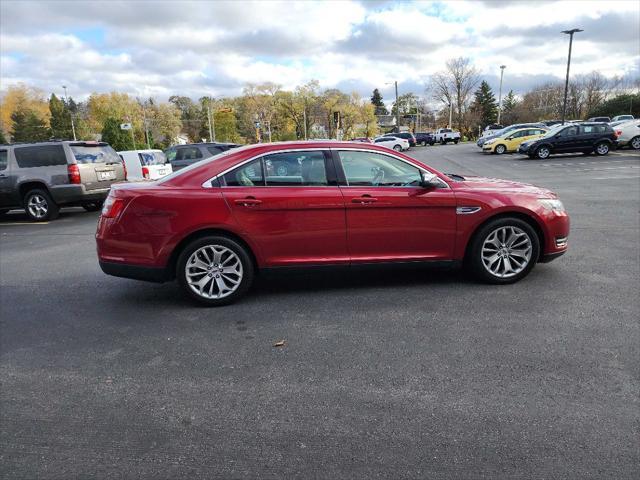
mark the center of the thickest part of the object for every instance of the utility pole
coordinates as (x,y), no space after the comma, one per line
(304,120)
(450,113)
(66,99)
(397,109)
(146,127)
(502,67)
(211,138)
(566,82)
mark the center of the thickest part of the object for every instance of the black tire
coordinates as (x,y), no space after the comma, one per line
(424,143)
(47,209)
(543,152)
(474,254)
(500,149)
(456,141)
(432,143)
(245,260)
(634,143)
(602,149)
(92,206)
(397,148)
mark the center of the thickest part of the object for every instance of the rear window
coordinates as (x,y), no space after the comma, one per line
(3,159)
(446,130)
(95,154)
(40,156)
(152,158)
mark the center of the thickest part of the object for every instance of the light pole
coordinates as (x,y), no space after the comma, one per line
(566,82)
(66,99)
(502,67)
(212,132)
(397,106)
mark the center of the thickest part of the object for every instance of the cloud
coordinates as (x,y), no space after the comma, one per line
(214,48)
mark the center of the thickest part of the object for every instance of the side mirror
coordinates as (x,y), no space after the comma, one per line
(429,180)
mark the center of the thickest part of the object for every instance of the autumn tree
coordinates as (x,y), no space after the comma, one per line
(28,126)
(26,98)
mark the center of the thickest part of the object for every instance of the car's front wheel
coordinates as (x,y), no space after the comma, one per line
(39,206)
(504,251)
(215,270)
(397,148)
(500,149)
(543,152)
(602,148)
(424,143)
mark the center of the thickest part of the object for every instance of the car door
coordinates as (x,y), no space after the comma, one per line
(389,216)
(291,206)
(566,140)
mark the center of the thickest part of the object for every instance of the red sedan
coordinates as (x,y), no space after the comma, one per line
(213,224)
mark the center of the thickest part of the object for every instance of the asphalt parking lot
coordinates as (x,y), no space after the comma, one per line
(385,373)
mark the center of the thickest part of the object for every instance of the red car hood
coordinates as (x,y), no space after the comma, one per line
(503,186)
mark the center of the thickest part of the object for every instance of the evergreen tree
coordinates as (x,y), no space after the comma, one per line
(509,105)
(3,139)
(376,101)
(28,127)
(485,105)
(60,119)
(116,137)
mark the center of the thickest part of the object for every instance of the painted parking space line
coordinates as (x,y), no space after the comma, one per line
(616,178)
(23,223)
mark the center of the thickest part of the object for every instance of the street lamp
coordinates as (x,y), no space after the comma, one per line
(566,82)
(73,128)
(502,67)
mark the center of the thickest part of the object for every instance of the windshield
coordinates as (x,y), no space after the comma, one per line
(152,158)
(95,154)
(554,129)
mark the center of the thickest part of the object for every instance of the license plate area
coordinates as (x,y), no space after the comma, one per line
(106,175)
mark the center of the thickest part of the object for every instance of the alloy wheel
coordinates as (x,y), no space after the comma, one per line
(38,206)
(602,149)
(500,149)
(543,152)
(213,271)
(506,251)
(635,143)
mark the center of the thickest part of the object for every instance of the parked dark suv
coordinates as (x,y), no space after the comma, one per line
(424,138)
(406,135)
(572,138)
(181,156)
(42,177)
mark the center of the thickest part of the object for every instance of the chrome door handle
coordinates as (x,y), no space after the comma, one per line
(247,202)
(364,200)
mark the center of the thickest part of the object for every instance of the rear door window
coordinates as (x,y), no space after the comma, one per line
(40,156)
(247,175)
(3,159)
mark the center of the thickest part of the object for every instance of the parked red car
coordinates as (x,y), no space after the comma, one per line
(213,224)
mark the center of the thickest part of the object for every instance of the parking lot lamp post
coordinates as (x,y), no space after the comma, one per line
(66,99)
(502,67)
(450,113)
(566,82)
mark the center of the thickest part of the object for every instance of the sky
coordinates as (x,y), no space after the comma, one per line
(158,49)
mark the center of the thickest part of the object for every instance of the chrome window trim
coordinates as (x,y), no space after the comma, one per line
(207,183)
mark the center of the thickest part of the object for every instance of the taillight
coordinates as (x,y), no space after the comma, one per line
(112,207)
(618,133)
(74,173)
(145,172)
(124,167)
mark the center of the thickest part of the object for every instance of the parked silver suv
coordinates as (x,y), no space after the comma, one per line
(42,177)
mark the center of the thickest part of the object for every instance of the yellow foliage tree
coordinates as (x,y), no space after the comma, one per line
(26,98)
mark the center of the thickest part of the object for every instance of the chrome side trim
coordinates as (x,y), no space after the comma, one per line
(467,210)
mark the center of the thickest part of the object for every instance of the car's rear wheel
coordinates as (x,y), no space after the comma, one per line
(39,206)
(397,148)
(92,206)
(424,143)
(635,143)
(543,152)
(504,251)
(602,148)
(500,149)
(215,270)
(456,141)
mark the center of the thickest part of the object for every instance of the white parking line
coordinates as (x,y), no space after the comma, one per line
(616,178)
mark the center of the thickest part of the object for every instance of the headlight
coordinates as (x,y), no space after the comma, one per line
(552,204)
(488,142)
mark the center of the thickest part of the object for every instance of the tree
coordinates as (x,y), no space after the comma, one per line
(23,97)
(60,119)
(163,122)
(3,139)
(485,105)
(191,115)
(454,85)
(619,105)
(28,126)
(509,106)
(376,101)
(116,137)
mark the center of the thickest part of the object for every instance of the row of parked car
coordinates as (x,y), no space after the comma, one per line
(542,139)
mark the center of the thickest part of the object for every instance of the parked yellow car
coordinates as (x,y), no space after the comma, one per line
(509,142)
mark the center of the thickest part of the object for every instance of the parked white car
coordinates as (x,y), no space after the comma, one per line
(145,164)
(395,143)
(444,135)
(622,117)
(628,134)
